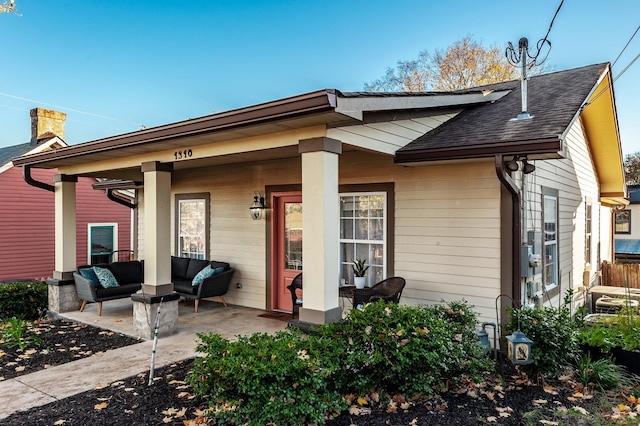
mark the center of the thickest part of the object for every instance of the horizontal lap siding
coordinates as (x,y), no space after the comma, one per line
(27,236)
(447,224)
(447,228)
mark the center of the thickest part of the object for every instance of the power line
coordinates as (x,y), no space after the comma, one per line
(625,46)
(70,109)
(542,42)
(600,93)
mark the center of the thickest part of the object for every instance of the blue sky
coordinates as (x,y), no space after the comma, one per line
(115,65)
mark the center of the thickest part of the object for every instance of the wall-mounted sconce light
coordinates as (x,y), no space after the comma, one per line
(257,207)
(513,166)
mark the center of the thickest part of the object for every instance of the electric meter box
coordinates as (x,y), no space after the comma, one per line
(525,252)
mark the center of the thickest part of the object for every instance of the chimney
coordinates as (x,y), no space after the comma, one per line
(46,124)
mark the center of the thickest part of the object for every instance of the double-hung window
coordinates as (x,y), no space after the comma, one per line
(102,242)
(363,225)
(623,222)
(550,239)
(192,225)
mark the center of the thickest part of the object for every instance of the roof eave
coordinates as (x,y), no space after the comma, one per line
(539,148)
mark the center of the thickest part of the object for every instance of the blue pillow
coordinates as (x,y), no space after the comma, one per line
(207,272)
(106,278)
(89,274)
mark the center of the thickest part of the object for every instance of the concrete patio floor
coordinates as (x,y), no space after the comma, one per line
(55,383)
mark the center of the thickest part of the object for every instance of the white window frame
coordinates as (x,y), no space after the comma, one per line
(345,264)
(114,227)
(549,284)
(179,199)
(588,232)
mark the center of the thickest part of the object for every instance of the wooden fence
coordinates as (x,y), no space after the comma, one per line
(621,274)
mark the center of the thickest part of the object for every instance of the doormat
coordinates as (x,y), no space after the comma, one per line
(282,316)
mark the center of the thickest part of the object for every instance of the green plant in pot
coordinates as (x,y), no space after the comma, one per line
(360,268)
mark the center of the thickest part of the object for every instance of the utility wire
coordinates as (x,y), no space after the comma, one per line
(542,42)
(614,80)
(625,46)
(70,109)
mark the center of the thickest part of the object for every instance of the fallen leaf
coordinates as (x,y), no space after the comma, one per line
(492,419)
(549,422)
(539,401)
(100,406)
(181,413)
(170,411)
(580,410)
(550,389)
(60,422)
(167,419)
(101,386)
(362,401)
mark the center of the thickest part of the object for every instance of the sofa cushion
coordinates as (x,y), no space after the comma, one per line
(224,265)
(106,278)
(185,287)
(207,272)
(179,266)
(90,274)
(195,266)
(129,272)
(116,292)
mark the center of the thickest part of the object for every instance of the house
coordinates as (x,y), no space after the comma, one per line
(464,194)
(627,229)
(27,223)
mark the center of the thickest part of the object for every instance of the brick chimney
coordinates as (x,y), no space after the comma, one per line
(46,124)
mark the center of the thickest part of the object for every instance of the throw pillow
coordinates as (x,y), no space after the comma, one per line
(207,272)
(89,274)
(106,278)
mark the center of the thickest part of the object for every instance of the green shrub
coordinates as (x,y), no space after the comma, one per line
(409,350)
(262,379)
(23,300)
(621,331)
(554,335)
(291,379)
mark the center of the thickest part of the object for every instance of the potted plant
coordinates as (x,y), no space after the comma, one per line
(360,272)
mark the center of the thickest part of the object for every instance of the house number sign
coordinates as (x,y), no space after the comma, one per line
(183,155)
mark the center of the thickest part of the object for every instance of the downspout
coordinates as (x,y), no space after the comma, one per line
(119,200)
(509,184)
(26,173)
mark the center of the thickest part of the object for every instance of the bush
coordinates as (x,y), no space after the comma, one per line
(291,379)
(263,379)
(409,350)
(23,300)
(554,335)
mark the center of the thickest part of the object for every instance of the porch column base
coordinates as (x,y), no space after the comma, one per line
(62,295)
(145,311)
(313,316)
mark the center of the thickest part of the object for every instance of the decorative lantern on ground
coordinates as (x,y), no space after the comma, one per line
(519,348)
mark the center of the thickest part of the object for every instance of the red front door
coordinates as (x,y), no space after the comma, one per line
(287,240)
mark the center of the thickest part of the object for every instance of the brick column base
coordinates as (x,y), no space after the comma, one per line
(145,312)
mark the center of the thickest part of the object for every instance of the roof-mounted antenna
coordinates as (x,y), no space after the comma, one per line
(519,58)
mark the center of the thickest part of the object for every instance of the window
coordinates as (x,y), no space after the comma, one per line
(192,225)
(102,242)
(623,222)
(363,224)
(550,239)
(588,230)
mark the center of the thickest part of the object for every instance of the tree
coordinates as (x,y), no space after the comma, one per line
(8,6)
(632,168)
(466,63)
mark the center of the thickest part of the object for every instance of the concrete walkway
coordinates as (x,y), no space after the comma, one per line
(59,382)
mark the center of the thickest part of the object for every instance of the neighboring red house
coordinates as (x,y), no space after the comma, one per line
(27,225)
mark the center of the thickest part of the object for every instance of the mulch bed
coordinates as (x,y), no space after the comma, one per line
(169,400)
(62,341)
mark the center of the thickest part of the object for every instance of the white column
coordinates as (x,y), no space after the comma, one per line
(321,224)
(65,226)
(157,229)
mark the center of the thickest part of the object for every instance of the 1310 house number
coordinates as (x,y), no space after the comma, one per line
(181,155)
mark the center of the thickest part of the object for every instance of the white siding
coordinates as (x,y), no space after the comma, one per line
(577,184)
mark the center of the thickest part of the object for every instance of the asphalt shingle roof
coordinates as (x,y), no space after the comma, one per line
(553,100)
(10,152)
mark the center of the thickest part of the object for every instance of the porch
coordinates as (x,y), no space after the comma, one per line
(212,317)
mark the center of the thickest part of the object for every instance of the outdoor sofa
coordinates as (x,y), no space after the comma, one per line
(184,271)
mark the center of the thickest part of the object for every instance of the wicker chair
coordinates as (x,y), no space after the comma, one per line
(296,301)
(389,289)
